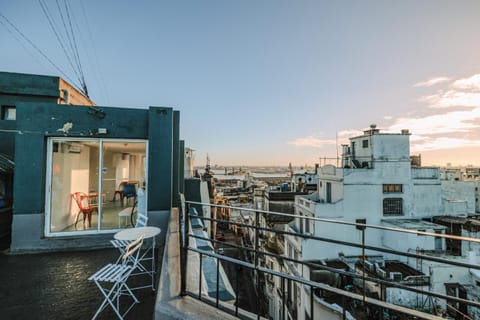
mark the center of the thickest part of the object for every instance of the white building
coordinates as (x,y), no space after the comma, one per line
(378,183)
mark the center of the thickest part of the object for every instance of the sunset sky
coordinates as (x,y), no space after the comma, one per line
(271,82)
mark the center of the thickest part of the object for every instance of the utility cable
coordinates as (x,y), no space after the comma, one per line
(51,23)
(96,67)
(69,40)
(27,49)
(84,85)
(38,49)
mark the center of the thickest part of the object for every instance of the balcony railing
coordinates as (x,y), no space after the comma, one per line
(345,295)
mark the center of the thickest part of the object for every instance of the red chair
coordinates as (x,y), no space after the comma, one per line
(84,206)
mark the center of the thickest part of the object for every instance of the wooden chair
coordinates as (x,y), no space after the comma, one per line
(112,279)
(84,207)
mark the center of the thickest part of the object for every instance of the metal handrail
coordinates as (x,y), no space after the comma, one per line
(342,222)
(317,285)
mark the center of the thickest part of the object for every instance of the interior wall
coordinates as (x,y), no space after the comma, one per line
(70,173)
(108,175)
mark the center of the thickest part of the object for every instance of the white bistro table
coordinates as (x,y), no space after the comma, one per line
(131,234)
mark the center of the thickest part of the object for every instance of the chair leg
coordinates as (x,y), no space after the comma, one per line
(76,220)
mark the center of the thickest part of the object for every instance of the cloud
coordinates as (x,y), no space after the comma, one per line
(448,118)
(472,83)
(311,141)
(349,133)
(452,98)
(431,82)
(445,123)
(442,143)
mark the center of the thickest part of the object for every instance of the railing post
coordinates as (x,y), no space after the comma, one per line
(200,278)
(184,242)
(236,289)
(218,272)
(283,298)
(311,303)
(257,217)
(257,223)
(362,228)
(363,259)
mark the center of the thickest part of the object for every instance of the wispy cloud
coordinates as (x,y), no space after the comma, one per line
(448,118)
(431,82)
(445,123)
(319,142)
(311,141)
(453,120)
(442,143)
(452,98)
(471,83)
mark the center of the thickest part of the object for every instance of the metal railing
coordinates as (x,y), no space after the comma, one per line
(258,252)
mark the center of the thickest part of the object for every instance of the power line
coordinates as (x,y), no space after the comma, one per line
(89,43)
(38,49)
(72,50)
(52,25)
(27,49)
(84,85)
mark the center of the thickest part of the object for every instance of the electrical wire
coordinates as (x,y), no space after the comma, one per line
(69,40)
(27,49)
(96,67)
(38,50)
(51,22)
(84,85)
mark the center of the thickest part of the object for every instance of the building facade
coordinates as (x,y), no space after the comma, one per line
(61,151)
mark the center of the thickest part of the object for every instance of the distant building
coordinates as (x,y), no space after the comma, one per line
(379,184)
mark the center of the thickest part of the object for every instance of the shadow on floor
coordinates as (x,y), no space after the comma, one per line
(55,286)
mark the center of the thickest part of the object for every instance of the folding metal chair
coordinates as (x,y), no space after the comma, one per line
(115,277)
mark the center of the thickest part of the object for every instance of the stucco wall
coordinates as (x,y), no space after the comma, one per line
(38,121)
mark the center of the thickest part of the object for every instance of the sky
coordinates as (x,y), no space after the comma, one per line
(271,82)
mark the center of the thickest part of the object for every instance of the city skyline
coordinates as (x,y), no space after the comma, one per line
(274,82)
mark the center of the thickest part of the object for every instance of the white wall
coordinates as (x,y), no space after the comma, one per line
(459,190)
(72,177)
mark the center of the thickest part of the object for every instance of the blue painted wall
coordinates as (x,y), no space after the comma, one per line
(36,122)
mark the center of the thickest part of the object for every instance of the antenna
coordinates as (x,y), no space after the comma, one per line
(336,144)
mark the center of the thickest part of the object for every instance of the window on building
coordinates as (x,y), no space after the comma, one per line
(392,188)
(9,113)
(88,179)
(365,143)
(393,207)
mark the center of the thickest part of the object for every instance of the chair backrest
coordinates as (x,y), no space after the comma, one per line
(82,200)
(133,249)
(129,190)
(142,219)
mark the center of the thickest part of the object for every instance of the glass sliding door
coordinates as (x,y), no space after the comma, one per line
(123,172)
(73,180)
(85,179)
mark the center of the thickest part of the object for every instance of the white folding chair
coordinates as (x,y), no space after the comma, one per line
(122,244)
(115,276)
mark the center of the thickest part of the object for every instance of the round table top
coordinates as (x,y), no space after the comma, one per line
(134,233)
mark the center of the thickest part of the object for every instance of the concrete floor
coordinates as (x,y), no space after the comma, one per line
(54,285)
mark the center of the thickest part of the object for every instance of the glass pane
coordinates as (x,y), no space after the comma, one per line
(123,172)
(73,203)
